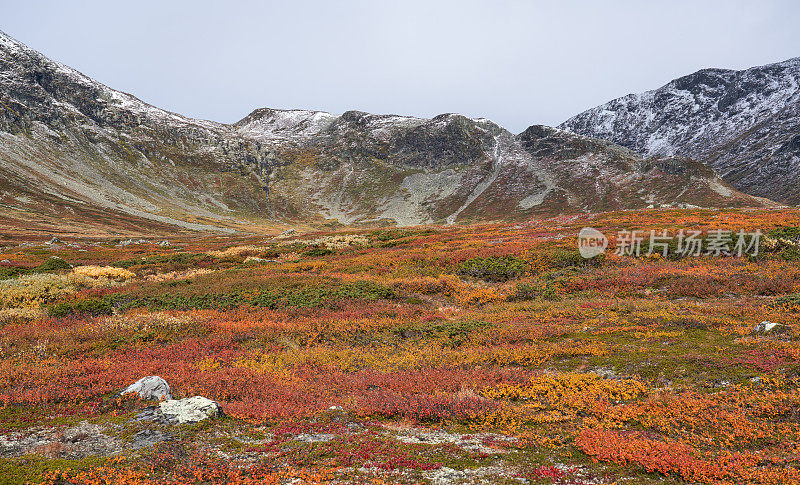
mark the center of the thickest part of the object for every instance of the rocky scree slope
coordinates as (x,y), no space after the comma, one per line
(72,146)
(745,124)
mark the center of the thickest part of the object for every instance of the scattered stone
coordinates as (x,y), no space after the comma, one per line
(190,410)
(484,474)
(147,438)
(54,240)
(255,259)
(76,442)
(315,438)
(470,442)
(765,327)
(445,475)
(5,261)
(128,242)
(150,387)
(164,243)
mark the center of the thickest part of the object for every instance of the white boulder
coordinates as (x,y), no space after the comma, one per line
(190,409)
(150,387)
(765,327)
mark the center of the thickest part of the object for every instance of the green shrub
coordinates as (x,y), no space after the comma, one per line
(394,237)
(451,333)
(7,272)
(266,299)
(54,263)
(791,254)
(791,300)
(493,268)
(366,290)
(94,307)
(790,233)
(565,258)
(167,262)
(319,295)
(208,301)
(391,244)
(317,252)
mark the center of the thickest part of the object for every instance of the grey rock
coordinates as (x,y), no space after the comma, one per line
(153,414)
(150,387)
(147,438)
(315,438)
(190,410)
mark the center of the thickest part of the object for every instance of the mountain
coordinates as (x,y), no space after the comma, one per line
(745,124)
(73,149)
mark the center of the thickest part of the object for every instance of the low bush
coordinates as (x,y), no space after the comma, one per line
(54,263)
(32,291)
(452,333)
(493,268)
(317,296)
(7,272)
(395,234)
(93,307)
(317,252)
(161,263)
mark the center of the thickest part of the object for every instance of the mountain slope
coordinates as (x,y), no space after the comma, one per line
(72,148)
(745,124)
(360,167)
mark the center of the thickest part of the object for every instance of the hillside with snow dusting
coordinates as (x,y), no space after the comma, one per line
(72,148)
(745,124)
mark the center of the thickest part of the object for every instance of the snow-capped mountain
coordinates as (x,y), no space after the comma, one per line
(74,149)
(745,124)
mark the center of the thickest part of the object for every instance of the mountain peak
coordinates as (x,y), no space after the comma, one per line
(269,123)
(744,123)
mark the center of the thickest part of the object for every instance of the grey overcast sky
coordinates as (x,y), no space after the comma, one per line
(515,62)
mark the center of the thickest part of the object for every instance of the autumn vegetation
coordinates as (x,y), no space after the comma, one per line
(574,371)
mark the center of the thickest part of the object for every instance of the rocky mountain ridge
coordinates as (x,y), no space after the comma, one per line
(745,124)
(73,147)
